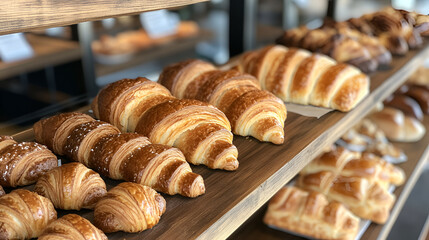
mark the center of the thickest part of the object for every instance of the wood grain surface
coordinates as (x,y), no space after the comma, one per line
(418,154)
(24,15)
(47,52)
(232,197)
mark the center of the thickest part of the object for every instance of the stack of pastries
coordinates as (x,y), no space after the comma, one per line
(311,214)
(199,130)
(333,192)
(297,76)
(365,42)
(250,110)
(359,181)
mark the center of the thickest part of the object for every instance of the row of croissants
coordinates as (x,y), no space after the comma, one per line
(147,133)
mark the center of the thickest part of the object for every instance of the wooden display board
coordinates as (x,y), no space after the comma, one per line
(232,197)
(24,15)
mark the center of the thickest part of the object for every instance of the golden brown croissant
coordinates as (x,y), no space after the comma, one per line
(24,214)
(71,186)
(129,207)
(72,227)
(23,163)
(199,130)
(311,214)
(127,156)
(250,110)
(297,76)
(358,181)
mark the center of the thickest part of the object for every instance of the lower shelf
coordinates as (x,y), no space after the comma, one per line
(418,155)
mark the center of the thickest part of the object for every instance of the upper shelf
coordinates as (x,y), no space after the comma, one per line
(232,197)
(24,15)
(174,47)
(47,52)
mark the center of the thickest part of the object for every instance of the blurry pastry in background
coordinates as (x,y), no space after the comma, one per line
(367,137)
(187,28)
(130,42)
(397,126)
(420,76)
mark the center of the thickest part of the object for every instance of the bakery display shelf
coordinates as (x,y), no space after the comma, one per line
(173,47)
(47,52)
(24,15)
(232,197)
(418,155)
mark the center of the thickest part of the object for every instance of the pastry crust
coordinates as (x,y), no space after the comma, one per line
(23,163)
(302,78)
(359,181)
(122,156)
(71,186)
(24,214)
(72,226)
(153,112)
(251,111)
(310,214)
(129,207)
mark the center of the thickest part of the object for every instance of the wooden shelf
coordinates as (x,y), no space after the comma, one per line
(24,15)
(47,52)
(232,197)
(173,47)
(418,154)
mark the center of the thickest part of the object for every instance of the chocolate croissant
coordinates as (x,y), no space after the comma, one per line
(199,130)
(23,163)
(72,226)
(129,207)
(127,156)
(251,111)
(71,186)
(24,214)
(297,76)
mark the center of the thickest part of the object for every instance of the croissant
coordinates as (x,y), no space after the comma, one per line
(127,156)
(311,214)
(358,181)
(250,110)
(129,207)
(297,76)
(397,126)
(71,186)
(23,163)
(24,214)
(72,227)
(199,130)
